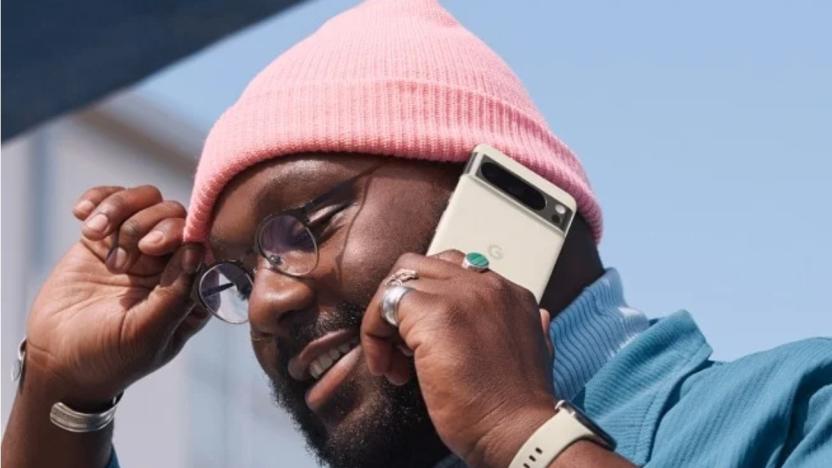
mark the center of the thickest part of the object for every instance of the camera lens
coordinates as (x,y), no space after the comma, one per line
(513,185)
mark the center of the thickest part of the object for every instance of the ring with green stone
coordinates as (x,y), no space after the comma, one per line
(475,261)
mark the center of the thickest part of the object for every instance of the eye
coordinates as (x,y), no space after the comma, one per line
(299,234)
(320,228)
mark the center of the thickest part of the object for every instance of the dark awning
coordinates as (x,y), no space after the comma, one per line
(60,55)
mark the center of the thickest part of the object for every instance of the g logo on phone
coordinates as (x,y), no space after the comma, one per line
(495,251)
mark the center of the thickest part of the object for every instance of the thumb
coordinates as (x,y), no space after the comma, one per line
(170,301)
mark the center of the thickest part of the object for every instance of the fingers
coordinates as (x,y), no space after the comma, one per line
(91,198)
(451,256)
(170,302)
(164,238)
(383,345)
(132,222)
(438,266)
(545,321)
(401,368)
(140,226)
(113,210)
(386,348)
(195,321)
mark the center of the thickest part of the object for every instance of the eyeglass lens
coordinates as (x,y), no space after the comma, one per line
(289,246)
(224,288)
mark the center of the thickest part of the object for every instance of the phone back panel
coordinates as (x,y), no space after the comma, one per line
(519,244)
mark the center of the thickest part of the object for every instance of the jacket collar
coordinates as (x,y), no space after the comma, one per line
(629,394)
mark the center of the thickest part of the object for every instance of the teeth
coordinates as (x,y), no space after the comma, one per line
(326,360)
(315,369)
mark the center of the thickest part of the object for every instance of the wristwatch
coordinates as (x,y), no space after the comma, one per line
(567,426)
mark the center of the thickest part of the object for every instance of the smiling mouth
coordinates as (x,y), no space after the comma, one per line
(325,364)
(322,354)
(327,359)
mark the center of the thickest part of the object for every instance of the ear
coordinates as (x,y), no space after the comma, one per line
(545,320)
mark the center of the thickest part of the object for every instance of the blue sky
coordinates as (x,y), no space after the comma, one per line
(705,129)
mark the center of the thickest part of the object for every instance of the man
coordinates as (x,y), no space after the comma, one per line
(319,186)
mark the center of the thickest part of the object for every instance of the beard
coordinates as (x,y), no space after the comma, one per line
(375,423)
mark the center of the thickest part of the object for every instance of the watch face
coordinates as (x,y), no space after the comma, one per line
(584,419)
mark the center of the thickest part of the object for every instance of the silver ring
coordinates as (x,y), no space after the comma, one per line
(400,277)
(390,303)
(475,261)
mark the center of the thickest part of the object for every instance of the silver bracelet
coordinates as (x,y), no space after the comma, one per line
(71,420)
(62,415)
(17,369)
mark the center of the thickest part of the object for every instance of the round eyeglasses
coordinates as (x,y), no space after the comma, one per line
(286,240)
(288,244)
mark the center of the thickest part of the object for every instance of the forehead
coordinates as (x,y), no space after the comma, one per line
(271,186)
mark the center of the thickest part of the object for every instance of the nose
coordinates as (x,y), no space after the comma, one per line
(274,297)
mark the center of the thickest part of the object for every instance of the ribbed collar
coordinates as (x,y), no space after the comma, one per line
(590,331)
(586,335)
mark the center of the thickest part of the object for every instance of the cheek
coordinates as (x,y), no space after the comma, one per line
(374,241)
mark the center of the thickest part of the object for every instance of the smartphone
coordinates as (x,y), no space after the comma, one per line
(507,212)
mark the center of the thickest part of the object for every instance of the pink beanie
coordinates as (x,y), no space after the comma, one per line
(388,77)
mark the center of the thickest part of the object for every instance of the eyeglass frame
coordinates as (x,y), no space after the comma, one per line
(302,214)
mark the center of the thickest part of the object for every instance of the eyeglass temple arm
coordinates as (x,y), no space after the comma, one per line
(219,288)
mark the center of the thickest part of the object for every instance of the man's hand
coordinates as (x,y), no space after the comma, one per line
(115,308)
(481,352)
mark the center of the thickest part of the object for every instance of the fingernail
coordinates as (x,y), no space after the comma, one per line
(405,350)
(395,381)
(153,237)
(374,371)
(119,259)
(97,222)
(190,260)
(84,207)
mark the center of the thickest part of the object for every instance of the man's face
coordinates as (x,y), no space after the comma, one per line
(349,417)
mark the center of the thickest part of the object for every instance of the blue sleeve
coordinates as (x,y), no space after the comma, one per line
(113,463)
(810,432)
(769,409)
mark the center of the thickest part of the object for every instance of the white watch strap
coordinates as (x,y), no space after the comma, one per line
(550,439)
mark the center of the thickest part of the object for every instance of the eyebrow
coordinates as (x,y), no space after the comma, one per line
(263,197)
(226,246)
(261,200)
